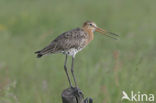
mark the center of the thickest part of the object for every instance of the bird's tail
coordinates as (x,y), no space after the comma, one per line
(47,50)
(39,54)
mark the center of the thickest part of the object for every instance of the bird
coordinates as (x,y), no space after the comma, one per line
(71,42)
(125,96)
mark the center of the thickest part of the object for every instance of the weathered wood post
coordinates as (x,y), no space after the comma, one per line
(74,95)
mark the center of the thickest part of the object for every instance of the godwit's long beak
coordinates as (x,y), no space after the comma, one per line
(109,34)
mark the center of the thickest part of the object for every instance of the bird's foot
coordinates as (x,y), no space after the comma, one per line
(71,87)
(88,100)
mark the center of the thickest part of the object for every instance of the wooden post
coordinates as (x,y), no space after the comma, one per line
(74,95)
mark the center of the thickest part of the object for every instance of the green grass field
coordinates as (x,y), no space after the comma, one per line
(103,69)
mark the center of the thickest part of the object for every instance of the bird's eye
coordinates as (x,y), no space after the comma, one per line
(90,24)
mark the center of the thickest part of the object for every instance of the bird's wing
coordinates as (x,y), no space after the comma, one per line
(75,38)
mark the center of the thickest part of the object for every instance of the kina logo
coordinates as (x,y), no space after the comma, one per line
(137,97)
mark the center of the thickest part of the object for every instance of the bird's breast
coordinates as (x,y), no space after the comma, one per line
(90,36)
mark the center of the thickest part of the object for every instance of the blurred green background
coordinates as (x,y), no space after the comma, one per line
(103,69)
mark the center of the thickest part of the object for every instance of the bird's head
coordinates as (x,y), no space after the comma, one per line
(91,26)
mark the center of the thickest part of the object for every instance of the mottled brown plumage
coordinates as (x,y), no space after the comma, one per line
(76,38)
(71,42)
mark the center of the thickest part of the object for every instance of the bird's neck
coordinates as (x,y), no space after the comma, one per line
(89,33)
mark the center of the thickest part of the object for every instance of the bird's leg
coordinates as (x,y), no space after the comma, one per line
(72,70)
(65,68)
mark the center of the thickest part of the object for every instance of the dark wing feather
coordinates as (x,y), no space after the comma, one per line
(72,39)
(75,38)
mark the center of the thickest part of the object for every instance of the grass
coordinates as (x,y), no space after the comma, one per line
(103,70)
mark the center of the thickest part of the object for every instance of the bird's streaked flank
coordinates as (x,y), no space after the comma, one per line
(71,42)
